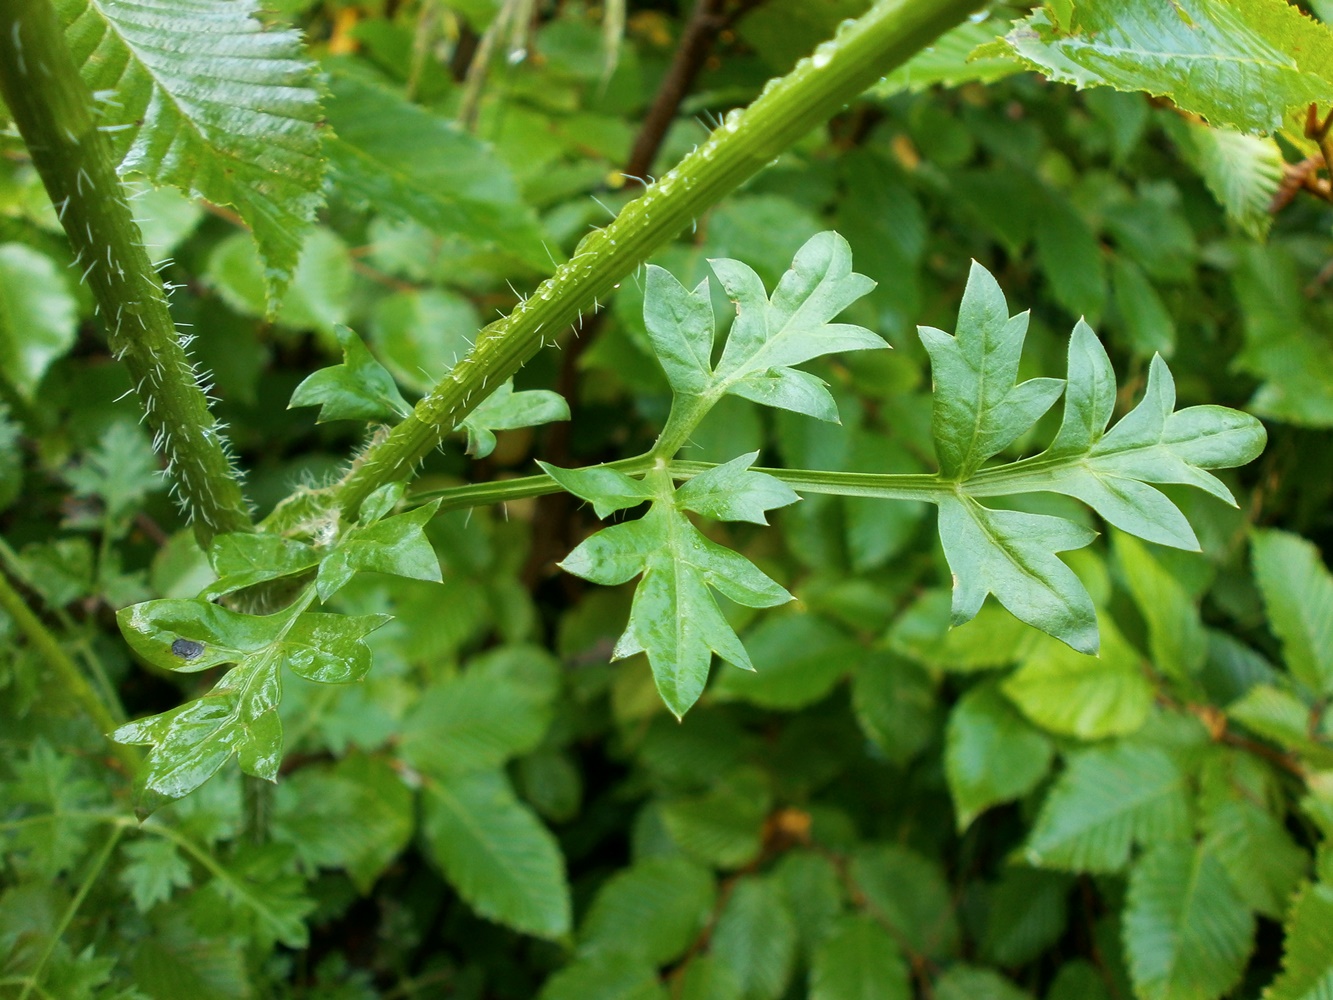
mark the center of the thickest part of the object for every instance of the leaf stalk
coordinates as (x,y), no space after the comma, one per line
(817,88)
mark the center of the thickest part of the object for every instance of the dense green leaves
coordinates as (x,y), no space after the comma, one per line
(407,163)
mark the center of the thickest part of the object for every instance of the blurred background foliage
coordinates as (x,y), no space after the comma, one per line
(887,808)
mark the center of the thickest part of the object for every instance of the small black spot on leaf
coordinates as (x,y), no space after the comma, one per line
(187,649)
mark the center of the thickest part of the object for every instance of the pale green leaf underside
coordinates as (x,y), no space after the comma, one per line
(197,95)
(980,409)
(1242,63)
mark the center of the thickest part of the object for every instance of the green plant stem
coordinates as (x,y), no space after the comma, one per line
(820,85)
(912,486)
(94,872)
(11,562)
(67,672)
(54,112)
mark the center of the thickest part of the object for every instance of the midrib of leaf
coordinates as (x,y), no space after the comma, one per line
(467,819)
(998,543)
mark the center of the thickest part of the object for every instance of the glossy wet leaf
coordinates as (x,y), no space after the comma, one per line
(243,559)
(239,715)
(396,545)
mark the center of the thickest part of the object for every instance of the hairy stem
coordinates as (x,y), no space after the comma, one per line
(54,112)
(67,672)
(818,87)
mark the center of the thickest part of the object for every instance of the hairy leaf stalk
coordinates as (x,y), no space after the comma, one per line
(56,116)
(839,70)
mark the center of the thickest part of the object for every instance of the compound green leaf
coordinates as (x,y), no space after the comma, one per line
(674,618)
(1011,554)
(1088,697)
(1187,933)
(1107,800)
(507,410)
(239,715)
(396,545)
(408,163)
(1243,63)
(992,754)
(979,408)
(1298,595)
(730,492)
(38,316)
(495,851)
(653,909)
(208,101)
(358,389)
(858,960)
(1307,965)
(120,470)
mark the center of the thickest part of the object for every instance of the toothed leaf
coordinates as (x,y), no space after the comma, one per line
(239,715)
(209,101)
(358,389)
(507,410)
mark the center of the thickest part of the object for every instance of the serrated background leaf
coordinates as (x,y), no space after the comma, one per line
(498,855)
(209,102)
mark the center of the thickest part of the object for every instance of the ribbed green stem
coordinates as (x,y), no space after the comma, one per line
(55,115)
(67,673)
(821,84)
